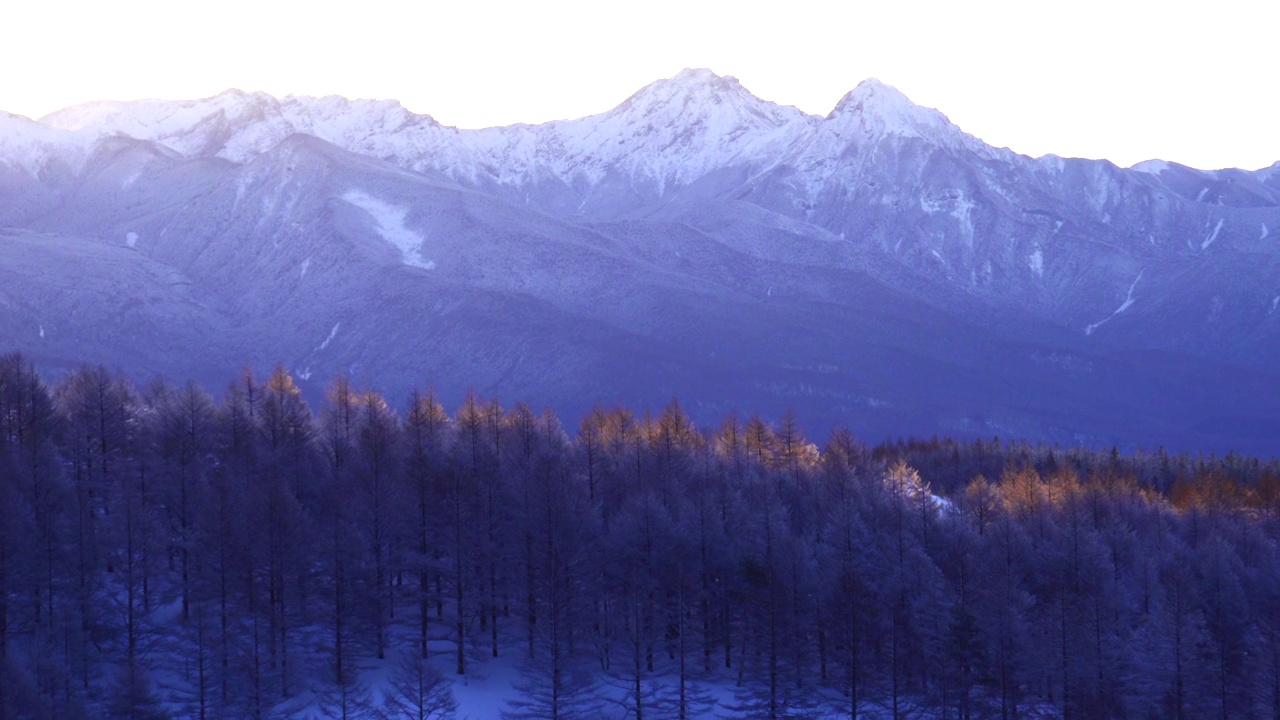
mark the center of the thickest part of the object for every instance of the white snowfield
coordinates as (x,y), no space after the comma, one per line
(390,221)
(30,146)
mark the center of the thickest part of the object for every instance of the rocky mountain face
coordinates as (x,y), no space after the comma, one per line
(876,267)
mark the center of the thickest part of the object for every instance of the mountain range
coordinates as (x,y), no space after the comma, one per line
(877,268)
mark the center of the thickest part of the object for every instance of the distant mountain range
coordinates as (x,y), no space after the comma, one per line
(876,267)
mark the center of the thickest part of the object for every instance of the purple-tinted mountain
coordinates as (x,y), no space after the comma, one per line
(876,267)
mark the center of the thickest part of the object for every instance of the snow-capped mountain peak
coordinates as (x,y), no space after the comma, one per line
(699,95)
(153,119)
(677,129)
(30,146)
(693,79)
(670,132)
(239,125)
(879,110)
(373,127)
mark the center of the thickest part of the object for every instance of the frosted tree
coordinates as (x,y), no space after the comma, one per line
(559,682)
(340,428)
(183,436)
(419,691)
(378,503)
(286,433)
(426,429)
(134,698)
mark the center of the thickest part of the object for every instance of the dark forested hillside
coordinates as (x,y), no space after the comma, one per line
(165,553)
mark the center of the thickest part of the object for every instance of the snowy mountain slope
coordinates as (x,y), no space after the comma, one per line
(876,266)
(37,149)
(123,311)
(670,136)
(671,132)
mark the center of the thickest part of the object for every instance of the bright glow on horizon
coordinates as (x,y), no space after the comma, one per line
(1126,81)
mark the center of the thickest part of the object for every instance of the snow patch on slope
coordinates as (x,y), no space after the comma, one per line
(931,205)
(1128,302)
(963,213)
(956,204)
(332,334)
(390,223)
(1036,261)
(1265,232)
(131,239)
(1212,236)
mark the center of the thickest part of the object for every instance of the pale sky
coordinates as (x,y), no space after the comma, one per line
(1127,80)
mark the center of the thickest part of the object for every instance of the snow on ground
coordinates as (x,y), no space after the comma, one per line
(1036,261)
(880,110)
(1212,236)
(28,146)
(1265,232)
(1151,167)
(1052,162)
(486,691)
(491,683)
(390,223)
(332,334)
(1128,302)
(944,505)
(305,264)
(131,239)
(931,206)
(1201,195)
(671,131)
(963,213)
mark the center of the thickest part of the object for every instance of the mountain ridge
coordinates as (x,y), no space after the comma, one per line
(85,115)
(877,263)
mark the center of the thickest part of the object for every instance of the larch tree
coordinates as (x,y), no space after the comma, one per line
(379,499)
(426,435)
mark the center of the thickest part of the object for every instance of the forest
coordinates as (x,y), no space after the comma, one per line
(168,553)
